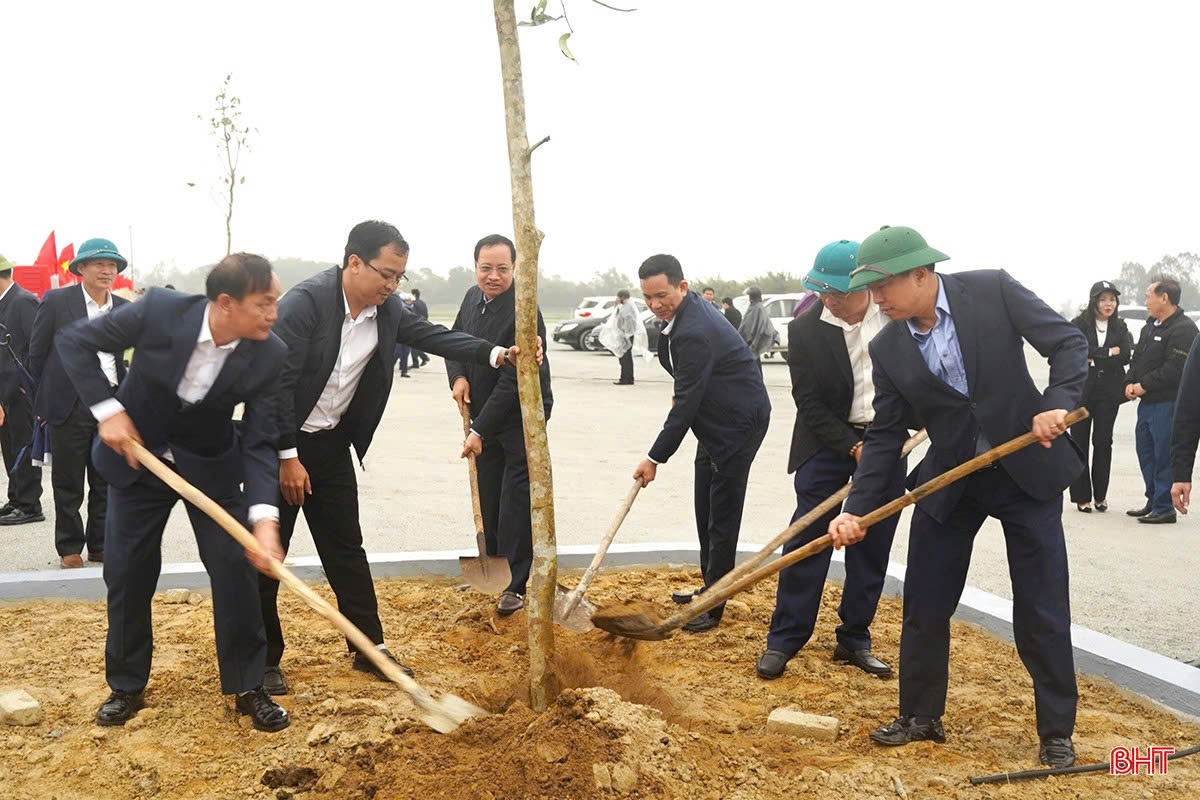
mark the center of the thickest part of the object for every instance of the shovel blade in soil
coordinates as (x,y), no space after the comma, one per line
(579,619)
(449,711)
(488,574)
(633,620)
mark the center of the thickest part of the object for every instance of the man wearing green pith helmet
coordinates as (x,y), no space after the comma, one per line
(953,358)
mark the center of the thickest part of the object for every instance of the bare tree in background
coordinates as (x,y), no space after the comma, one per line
(232,137)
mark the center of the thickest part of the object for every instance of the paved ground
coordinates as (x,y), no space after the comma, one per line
(1127,580)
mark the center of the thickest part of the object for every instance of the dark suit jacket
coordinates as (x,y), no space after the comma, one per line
(822,386)
(1159,356)
(1185,430)
(734,316)
(17,310)
(56,396)
(1106,374)
(993,315)
(719,390)
(210,451)
(420,308)
(495,404)
(310,322)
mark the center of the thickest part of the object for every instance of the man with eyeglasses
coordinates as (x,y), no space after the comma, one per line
(341,327)
(497,436)
(833,390)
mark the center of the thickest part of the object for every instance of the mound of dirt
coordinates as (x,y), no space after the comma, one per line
(682,718)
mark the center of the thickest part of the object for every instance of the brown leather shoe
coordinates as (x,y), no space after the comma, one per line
(73,561)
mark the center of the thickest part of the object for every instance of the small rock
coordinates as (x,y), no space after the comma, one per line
(321,732)
(552,752)
(55,734)
(38,756)
(360,706)
(790,721)
(195,599)
(283,794)
(330,778)
(98,733)
(939,782)
(899,787)
(592,716)
(176,596)
(19,707)
(602,777)
(624,779)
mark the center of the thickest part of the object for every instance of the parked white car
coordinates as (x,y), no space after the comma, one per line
(779,309)
(600,306)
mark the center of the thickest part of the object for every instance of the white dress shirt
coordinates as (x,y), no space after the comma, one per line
(199,375)
(360,340)
(108,361)
(858,337)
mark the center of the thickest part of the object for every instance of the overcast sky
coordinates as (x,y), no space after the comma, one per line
(1053,139)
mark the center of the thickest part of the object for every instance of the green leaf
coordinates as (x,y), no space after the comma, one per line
(562,45)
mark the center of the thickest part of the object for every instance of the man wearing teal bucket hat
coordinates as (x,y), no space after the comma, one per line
(954,358)
(832,387)
(72,428)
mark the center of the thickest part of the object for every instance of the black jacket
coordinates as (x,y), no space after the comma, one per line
(992,314)
(1106,374)
(1159,356)
(495,405)
(56,396)
(310,323)
(420,308)
(719,390)
(17,311)
(210,450)
(1185,430)
(734,316)
(822,386)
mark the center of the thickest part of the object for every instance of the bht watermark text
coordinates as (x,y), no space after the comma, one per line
(1131,760)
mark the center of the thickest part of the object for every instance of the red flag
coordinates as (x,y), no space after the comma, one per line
(48,257)
(67,256)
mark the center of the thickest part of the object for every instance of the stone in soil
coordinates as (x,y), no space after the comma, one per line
(19,707)
(793,722)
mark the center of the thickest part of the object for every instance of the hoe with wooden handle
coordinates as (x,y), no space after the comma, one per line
(443,714)
(637,621)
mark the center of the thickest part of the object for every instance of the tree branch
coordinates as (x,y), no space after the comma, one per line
(539,144)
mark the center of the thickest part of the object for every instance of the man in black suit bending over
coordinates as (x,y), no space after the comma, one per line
(833,390)
(197,358)
(721,398)
(18,308)
(341,327)
(71,427)
(954,358)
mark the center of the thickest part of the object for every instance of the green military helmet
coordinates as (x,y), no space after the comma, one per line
(5,264)
(891,251)
(94,249)
(831,270)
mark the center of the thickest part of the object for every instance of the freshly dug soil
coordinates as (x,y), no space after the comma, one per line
(684,718)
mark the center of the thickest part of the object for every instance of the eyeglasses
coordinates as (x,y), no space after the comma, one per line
(390,280)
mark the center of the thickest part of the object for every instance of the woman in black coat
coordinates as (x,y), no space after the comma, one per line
(1110,346)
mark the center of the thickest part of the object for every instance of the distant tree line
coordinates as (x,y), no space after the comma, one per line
(444,292)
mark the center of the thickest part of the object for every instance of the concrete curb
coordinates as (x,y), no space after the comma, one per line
(1161,679)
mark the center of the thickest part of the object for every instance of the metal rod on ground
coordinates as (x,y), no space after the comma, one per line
(572,600)
(1008,777)
(443,714)
(636,624)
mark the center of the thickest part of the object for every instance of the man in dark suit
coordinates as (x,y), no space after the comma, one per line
(731,313)
(721,398)
(833,390)
(342,328)
(197,359)
(497,435)
(17,310)
(953,357)
(72,428)
(421,309)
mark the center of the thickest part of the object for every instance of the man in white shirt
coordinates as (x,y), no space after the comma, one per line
(833,390)
(342,327)
(198,358)
(71,428)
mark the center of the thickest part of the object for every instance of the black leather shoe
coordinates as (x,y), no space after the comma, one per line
(1084,507)
(510,603)
(685,597)
(907,729)
(704,622)
(771,664)
(1158,518)
(363,664)
(274,681)
(265,713)
(1101,506)
(863,660)
(622,383)
(20,516)
(1139,512)
(1057,752)
(119,708)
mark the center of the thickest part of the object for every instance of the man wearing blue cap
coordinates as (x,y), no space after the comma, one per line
(833,390)
(72,426)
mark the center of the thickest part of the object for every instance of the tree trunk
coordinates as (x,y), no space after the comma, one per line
(539,600)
